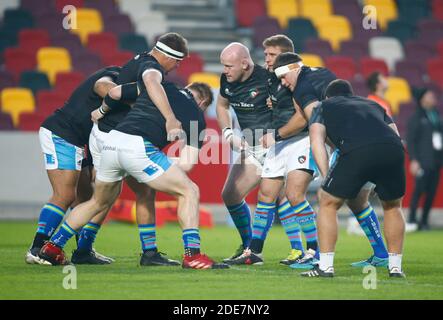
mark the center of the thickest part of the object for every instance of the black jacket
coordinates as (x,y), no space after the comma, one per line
(419,140)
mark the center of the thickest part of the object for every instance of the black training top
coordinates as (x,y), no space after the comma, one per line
(248,99)
(354,122)
(282,104)
(129,73)
(73,121)
(145,118)
(311,85)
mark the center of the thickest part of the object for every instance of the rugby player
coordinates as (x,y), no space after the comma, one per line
(63,136)
(244,87)
(370,149)
(133,148)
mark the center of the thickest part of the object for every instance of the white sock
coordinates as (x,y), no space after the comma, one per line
(395,260)
(326,260)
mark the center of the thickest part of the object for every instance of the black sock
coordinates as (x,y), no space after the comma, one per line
(39,240)
(191,251)
(256,245)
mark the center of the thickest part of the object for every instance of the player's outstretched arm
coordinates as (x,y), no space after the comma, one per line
(152,80)
(103,85)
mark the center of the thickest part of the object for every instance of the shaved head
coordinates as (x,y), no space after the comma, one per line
(237,62)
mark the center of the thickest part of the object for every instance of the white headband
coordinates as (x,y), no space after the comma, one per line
(281,71)
(166,50)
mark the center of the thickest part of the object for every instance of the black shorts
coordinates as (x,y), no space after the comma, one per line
(381,164)
(87,160)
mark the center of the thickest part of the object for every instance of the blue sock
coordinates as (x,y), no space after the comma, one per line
(306,219)
(263,218)
(241,215)
(369,222)
(63,235)
(288,219)
(191,241)
(147,237)
(50,218)
(87,236)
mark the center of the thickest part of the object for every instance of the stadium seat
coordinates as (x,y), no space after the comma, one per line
(248,10)
(419,51)
(60,4)
(193,64)
(133,42)
(48,101)
(299,30)
(107,8)
(18,60)
(135,9)
(151,25)
(30,121)
(15,101)
(386,11)
(88,21)
(7,39)
(430,30)
(117,58)
(37,7)
(342,67)
(354,49)
(412,71)
(67,40)
(282,10)
(398,92)
(119,24)
(360,87)
(34,80)
(212,79)
(334,29)
(87,62)
(6,79)
(102,43)
(6,122)
(316,10)
(413,10)
(437,9)
(50,21)
(312,60)
(67,81)
(350,9)
(400,29)
(52,60)
(8,4)
(369,65)
(440,48)
(33,39)
(435,70)
(176,78)
(264,27)
(16,19)
(319,47)
(387,48)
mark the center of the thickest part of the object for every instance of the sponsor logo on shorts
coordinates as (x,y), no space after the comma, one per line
(301,159)
(109,148)
(49,158)
(151,169)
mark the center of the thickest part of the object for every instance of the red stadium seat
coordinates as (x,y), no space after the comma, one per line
(18,60)
(440,48)
(194,63)
(117,58)
(437,9)
(369,65)
(30,121)
(343,67)
(68,81)
(33,39)
(435,70)
(59,4)
(248,10)
(102,43)
(48,101)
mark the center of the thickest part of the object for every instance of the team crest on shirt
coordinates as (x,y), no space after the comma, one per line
(253,93)
(227,92)
(301,159)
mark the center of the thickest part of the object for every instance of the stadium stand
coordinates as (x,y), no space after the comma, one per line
(16,101)
(282,10)
(52,60)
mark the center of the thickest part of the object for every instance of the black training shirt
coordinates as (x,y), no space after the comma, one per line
(73,121)
(129,73)
(146,120)
(311,85)
(354,122)
(248,99)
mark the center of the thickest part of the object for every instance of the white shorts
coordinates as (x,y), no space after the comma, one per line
(124,153)
(58,153)
(288,155)
(96,140)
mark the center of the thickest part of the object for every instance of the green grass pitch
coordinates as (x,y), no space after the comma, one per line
(125,279)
